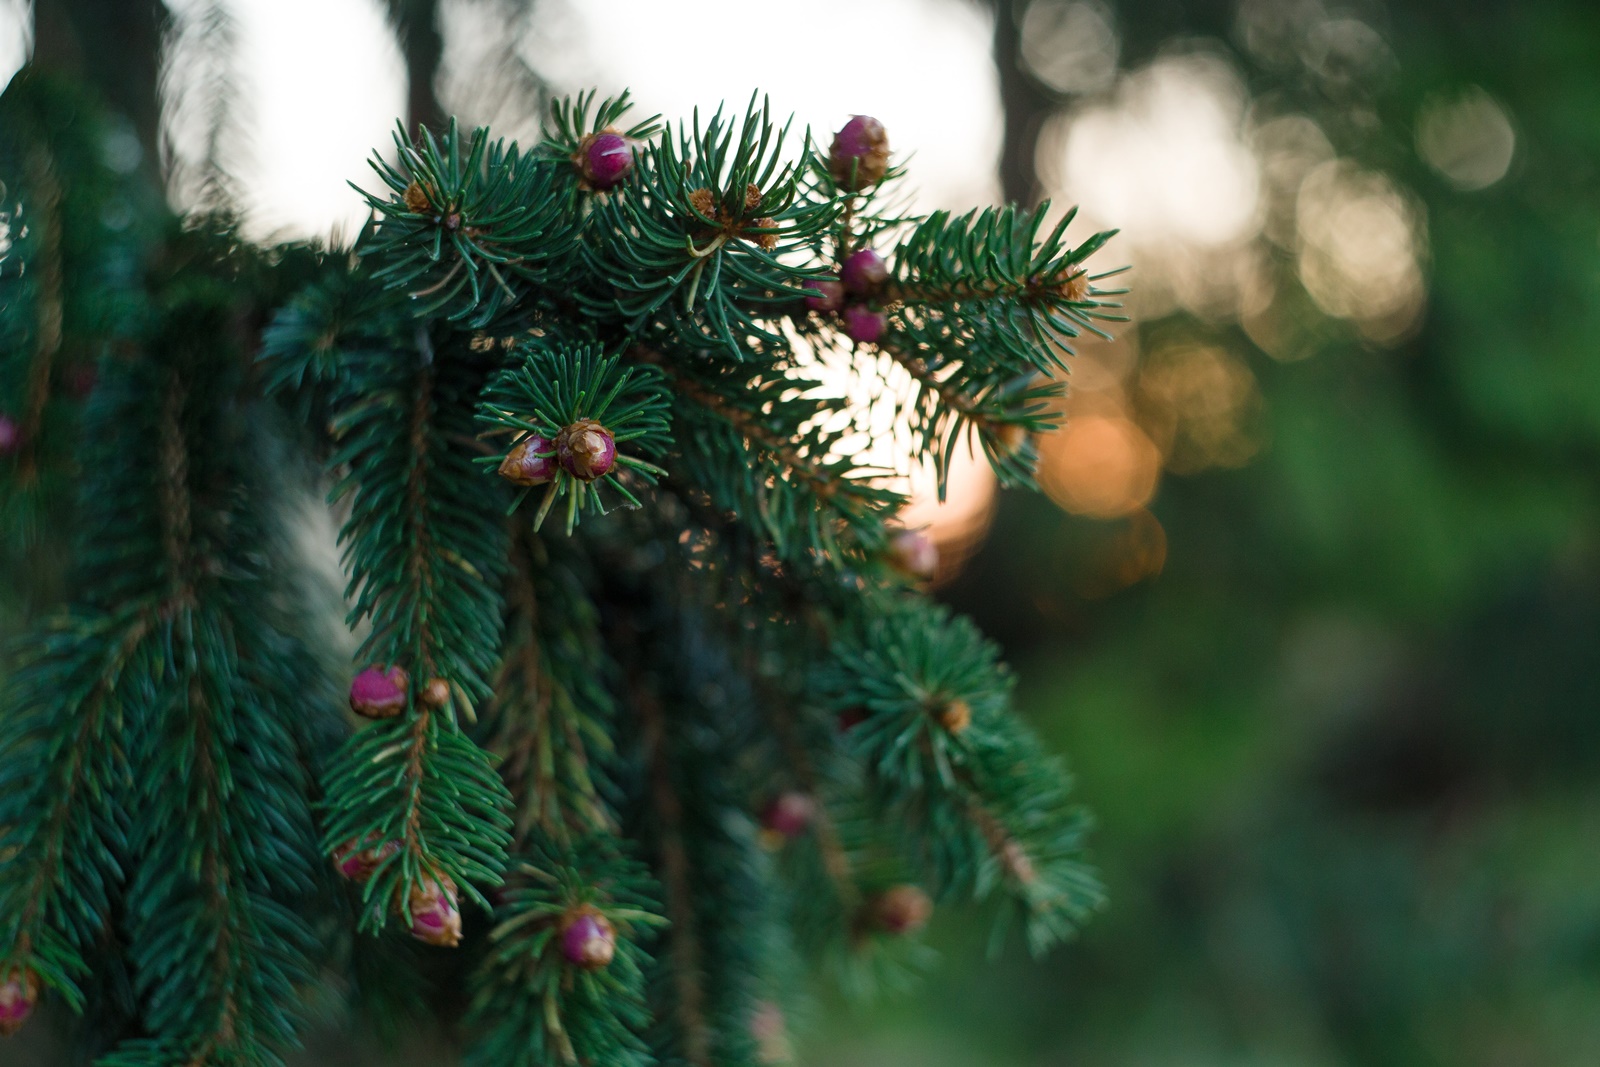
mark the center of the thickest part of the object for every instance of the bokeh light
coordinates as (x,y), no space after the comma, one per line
(1070,45)
(1360,243)
(1467,138)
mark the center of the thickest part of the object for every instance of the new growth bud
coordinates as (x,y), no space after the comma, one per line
(864,272)
(901,909)
(435,918)
(586,450)
(913,552)
(955,716)
(863,325)
(379,692)
(788,814)
(531,462)
(605,158)
(830,296)
(10,436)
(357,860)
(436,694)
(588,939)
(19,992)
(859,156)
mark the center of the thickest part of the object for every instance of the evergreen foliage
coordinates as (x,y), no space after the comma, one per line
(576,724)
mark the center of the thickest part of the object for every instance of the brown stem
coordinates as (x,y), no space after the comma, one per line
(952,397)
(419,577)
(1005,848)
(835,860)
(46,209)
(86,724)
(752,430)
(177,532)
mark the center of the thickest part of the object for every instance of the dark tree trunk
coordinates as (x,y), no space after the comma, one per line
(1025,106)
(113,45)
(417,24)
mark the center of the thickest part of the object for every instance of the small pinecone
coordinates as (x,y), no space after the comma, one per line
(605,158)
(1076,288)
(19,992)
(357,860)
(955,716)
(434,916)
(864,272)
(436,694)
(913,552)
(524,464)
(588,939)
(901,909)
(586,450)
(863,325)
(10,436)
(788,814)
(766,241)
(416,199)
(705,202)
(860,153)
(830,296)
(379,692)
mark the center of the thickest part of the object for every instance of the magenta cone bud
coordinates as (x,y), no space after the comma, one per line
(864,272)
(379,692)
(861,149)
(606,159)
(586,450)
(435,918)
(915,553)
(19,992)
(10,436)
(830,296)
(524,465)
(357,860)
(589,940)
(789,814)
(863,325)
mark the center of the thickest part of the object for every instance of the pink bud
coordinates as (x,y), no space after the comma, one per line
(10,436)
(915,553)
(589,940)
(435,918)
(863,325)
(586,450)
(859,156)
(607,159)
(19,992)
(789,814)
(379,692)
(864,272)
(531,462)
(830,296)
(356,861)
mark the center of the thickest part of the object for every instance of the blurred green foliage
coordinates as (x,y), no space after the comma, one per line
(1344,748)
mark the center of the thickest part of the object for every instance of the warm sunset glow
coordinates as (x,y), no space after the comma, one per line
(1100,466)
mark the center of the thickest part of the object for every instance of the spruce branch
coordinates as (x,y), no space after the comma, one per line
(426,560)
(552,715)
(970,785)
(63,837)
(544,994)
(468,226)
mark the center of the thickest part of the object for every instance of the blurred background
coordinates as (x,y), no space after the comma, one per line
(1312,598)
